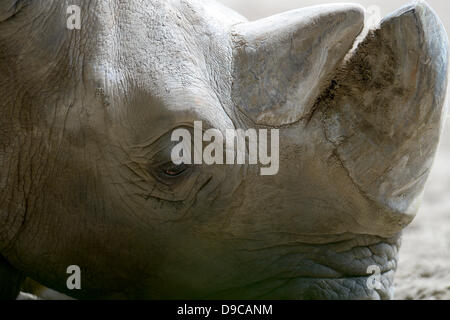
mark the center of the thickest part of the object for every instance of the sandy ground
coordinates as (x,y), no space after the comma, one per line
(424,266)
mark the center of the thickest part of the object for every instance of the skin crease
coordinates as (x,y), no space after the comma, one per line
(86,117)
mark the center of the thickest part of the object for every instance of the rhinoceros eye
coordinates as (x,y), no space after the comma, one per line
(173,170)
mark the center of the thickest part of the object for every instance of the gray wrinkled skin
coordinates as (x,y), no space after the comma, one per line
(85,123)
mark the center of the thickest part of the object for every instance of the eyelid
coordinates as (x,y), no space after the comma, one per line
(158,151)
(183,166)
(157,172)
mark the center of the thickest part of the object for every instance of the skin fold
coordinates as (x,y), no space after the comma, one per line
(86,118)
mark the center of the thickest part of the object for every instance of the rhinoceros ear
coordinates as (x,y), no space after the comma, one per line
(385,110)
(283,62)
(8,8)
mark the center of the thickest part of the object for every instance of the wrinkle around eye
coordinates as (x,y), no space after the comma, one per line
(158,151)
(9,8)
(177,190)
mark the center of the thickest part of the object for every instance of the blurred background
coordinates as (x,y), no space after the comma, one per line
(424,267)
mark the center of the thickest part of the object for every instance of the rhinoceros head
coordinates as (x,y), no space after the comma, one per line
(86,121)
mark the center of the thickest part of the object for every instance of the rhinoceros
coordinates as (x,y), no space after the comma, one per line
(87,180)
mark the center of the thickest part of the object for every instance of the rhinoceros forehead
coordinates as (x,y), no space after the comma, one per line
(178,53)
(165,45)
